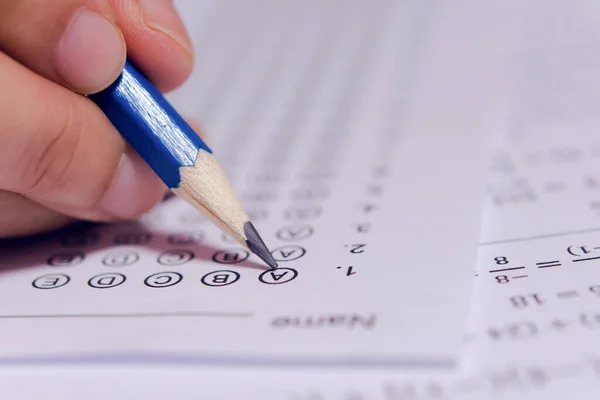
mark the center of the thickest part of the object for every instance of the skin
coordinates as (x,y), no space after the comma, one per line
(60,158)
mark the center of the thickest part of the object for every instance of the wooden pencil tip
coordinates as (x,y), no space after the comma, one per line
(257,246)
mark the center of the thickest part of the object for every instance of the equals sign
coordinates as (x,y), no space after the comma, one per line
(567,295)
(548,264)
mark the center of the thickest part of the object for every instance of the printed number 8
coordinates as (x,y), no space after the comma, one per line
(501,260)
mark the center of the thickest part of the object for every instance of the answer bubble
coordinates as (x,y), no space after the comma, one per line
(120,259)
(175,257)
(266,177)
(163,279)
(257,215)
(380,171)
(312,193)
(315,175)
(278,276)
(133,238)
(66,259)
(185,238)
(220,278)
(260,197)
(80,239)
(288,253)
(302,213)
(230,256)
(51,281)
(374,190)
(294,232)
(106,281)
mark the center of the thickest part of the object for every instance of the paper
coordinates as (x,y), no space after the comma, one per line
(534,326)
(535,312)
(322,117)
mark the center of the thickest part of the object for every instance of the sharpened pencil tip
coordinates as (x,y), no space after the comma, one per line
(257,246)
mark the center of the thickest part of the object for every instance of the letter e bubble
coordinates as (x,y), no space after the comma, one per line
(51,281)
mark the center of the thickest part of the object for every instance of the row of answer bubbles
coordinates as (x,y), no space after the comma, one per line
(285,233)
(166,279)
(173,257)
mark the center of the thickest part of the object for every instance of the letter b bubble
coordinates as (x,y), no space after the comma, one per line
(220,278)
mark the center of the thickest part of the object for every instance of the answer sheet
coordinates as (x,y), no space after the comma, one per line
(534,324)
(535,311)
(358,164)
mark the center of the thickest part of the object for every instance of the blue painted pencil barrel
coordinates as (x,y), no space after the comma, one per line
(150,124)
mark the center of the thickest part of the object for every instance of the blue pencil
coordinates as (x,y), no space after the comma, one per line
(177,154)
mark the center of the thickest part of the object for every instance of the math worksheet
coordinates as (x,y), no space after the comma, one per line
(322,118)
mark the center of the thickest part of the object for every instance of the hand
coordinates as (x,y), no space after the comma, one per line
(60,158)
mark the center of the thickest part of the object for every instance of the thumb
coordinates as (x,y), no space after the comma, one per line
(58,149)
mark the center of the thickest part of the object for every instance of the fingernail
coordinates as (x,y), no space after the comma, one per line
(161,15)
(134,189)
(91,52)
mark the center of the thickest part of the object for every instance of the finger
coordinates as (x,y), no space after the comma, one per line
(157,41)
(59,150)
(21,216)
(75,43)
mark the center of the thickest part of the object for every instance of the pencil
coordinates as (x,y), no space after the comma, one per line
(177,154)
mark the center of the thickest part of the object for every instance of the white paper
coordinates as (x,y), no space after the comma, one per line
(534,329)
(535,319)
(357,162)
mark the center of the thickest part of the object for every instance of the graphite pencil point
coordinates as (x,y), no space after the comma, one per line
(257,246)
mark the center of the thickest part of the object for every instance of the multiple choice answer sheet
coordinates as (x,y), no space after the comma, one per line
(535,315)
(533,332)
(358,165)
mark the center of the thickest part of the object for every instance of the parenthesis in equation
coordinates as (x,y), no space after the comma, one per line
(576,250)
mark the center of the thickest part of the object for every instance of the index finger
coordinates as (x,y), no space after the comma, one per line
(157,41)
(80,43)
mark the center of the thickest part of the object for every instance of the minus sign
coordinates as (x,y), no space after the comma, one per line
(587,259)
(520,276)
(506,269)
(549,266)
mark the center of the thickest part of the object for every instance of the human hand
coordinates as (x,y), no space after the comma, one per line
(60,158)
